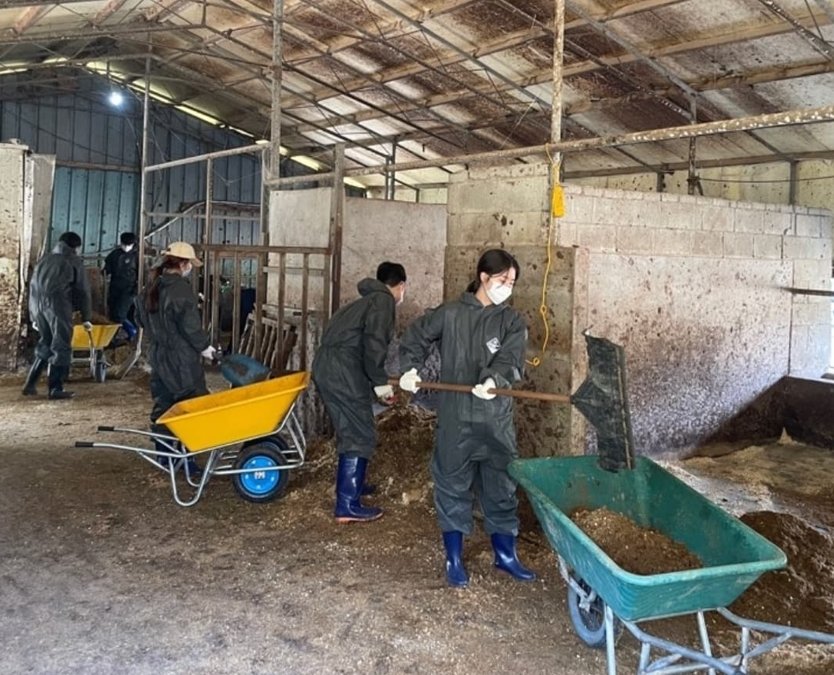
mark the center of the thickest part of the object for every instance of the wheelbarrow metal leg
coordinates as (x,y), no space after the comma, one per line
(609,641)
(705,643)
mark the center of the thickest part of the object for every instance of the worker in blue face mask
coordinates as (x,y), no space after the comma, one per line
(482,340)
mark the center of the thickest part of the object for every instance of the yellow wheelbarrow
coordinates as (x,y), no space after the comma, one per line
(91,344)
(250,433)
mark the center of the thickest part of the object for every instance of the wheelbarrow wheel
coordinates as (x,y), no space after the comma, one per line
(261,485)
(100,373)
(590,624)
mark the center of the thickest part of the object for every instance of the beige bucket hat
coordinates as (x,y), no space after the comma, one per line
(182,249)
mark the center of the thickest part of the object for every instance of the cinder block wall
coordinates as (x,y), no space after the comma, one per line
(694,288)
(508,208)
(373,231)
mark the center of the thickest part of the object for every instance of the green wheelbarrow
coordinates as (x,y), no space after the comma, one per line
(603,598)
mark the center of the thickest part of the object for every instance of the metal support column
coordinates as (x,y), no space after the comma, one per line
(792,186)
(143,175)
(277,76)
(337,208)
(211,271)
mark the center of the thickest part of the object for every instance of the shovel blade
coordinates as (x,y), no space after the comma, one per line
(602,400)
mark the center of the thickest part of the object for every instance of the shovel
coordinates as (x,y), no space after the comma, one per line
(601,399)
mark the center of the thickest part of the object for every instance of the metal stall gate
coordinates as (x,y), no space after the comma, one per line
(269,302)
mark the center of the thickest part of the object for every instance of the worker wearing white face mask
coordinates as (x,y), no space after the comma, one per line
(169,314)
(121,267)
(349,370)
(481,340)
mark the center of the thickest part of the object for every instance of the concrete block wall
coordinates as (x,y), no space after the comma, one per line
(697,291)
(507,207)
(695,288)
(13,248)
(373,231)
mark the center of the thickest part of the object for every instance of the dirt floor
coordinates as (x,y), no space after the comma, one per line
(102,573)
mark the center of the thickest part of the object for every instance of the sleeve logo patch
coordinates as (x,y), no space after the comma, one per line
(493,345)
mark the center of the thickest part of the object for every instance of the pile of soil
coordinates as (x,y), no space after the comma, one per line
(636,549)
(400,466)
(404,448)
(799,595)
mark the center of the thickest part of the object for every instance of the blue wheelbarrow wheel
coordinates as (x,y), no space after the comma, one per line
(590,624)
(261,485)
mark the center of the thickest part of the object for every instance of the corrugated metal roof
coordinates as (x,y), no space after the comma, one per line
(447,77)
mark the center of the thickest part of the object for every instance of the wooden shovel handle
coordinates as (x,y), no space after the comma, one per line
(466,389)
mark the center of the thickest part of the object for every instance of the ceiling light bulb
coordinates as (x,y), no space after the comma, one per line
(116,98)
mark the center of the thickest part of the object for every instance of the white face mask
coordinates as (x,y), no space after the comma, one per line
(499,293)
(127,248)
(187,270)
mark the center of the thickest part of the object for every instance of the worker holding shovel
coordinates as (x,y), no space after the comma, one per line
(483,341)
(349,371)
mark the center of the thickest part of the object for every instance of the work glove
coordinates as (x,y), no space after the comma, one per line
(88,326)
(385,394)
(208,353)
(482,390)
(409,380)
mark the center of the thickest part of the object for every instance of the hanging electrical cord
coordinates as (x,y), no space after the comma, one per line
(557,210)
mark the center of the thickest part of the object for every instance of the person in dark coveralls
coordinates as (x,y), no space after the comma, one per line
(168,312)
(121,267)
(59,285)
(483,341)
(349,369)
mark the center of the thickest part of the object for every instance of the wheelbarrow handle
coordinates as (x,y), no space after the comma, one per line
(467,389)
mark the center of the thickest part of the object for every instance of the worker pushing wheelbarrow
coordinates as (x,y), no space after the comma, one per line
(250,433)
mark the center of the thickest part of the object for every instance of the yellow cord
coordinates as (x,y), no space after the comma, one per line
(556,211)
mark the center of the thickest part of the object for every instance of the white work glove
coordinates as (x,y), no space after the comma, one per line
(385,393)
(208,353)
(409,380)
(482,390)
(87,326)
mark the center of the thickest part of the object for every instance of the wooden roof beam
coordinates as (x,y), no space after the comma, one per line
(448,57)
(544,75)
(107,11)
(30,16)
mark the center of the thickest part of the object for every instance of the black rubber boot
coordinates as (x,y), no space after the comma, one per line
(30,387)
(506,558)
(57,375)
(350,477)
(455,571)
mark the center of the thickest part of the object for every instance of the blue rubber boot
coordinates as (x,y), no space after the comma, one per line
(130,329)
(455,571)
(350,476)
(506,558)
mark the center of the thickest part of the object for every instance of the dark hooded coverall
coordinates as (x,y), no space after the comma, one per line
(176,340)
(122,267)
(475,438)
(351,361)
(59,285)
